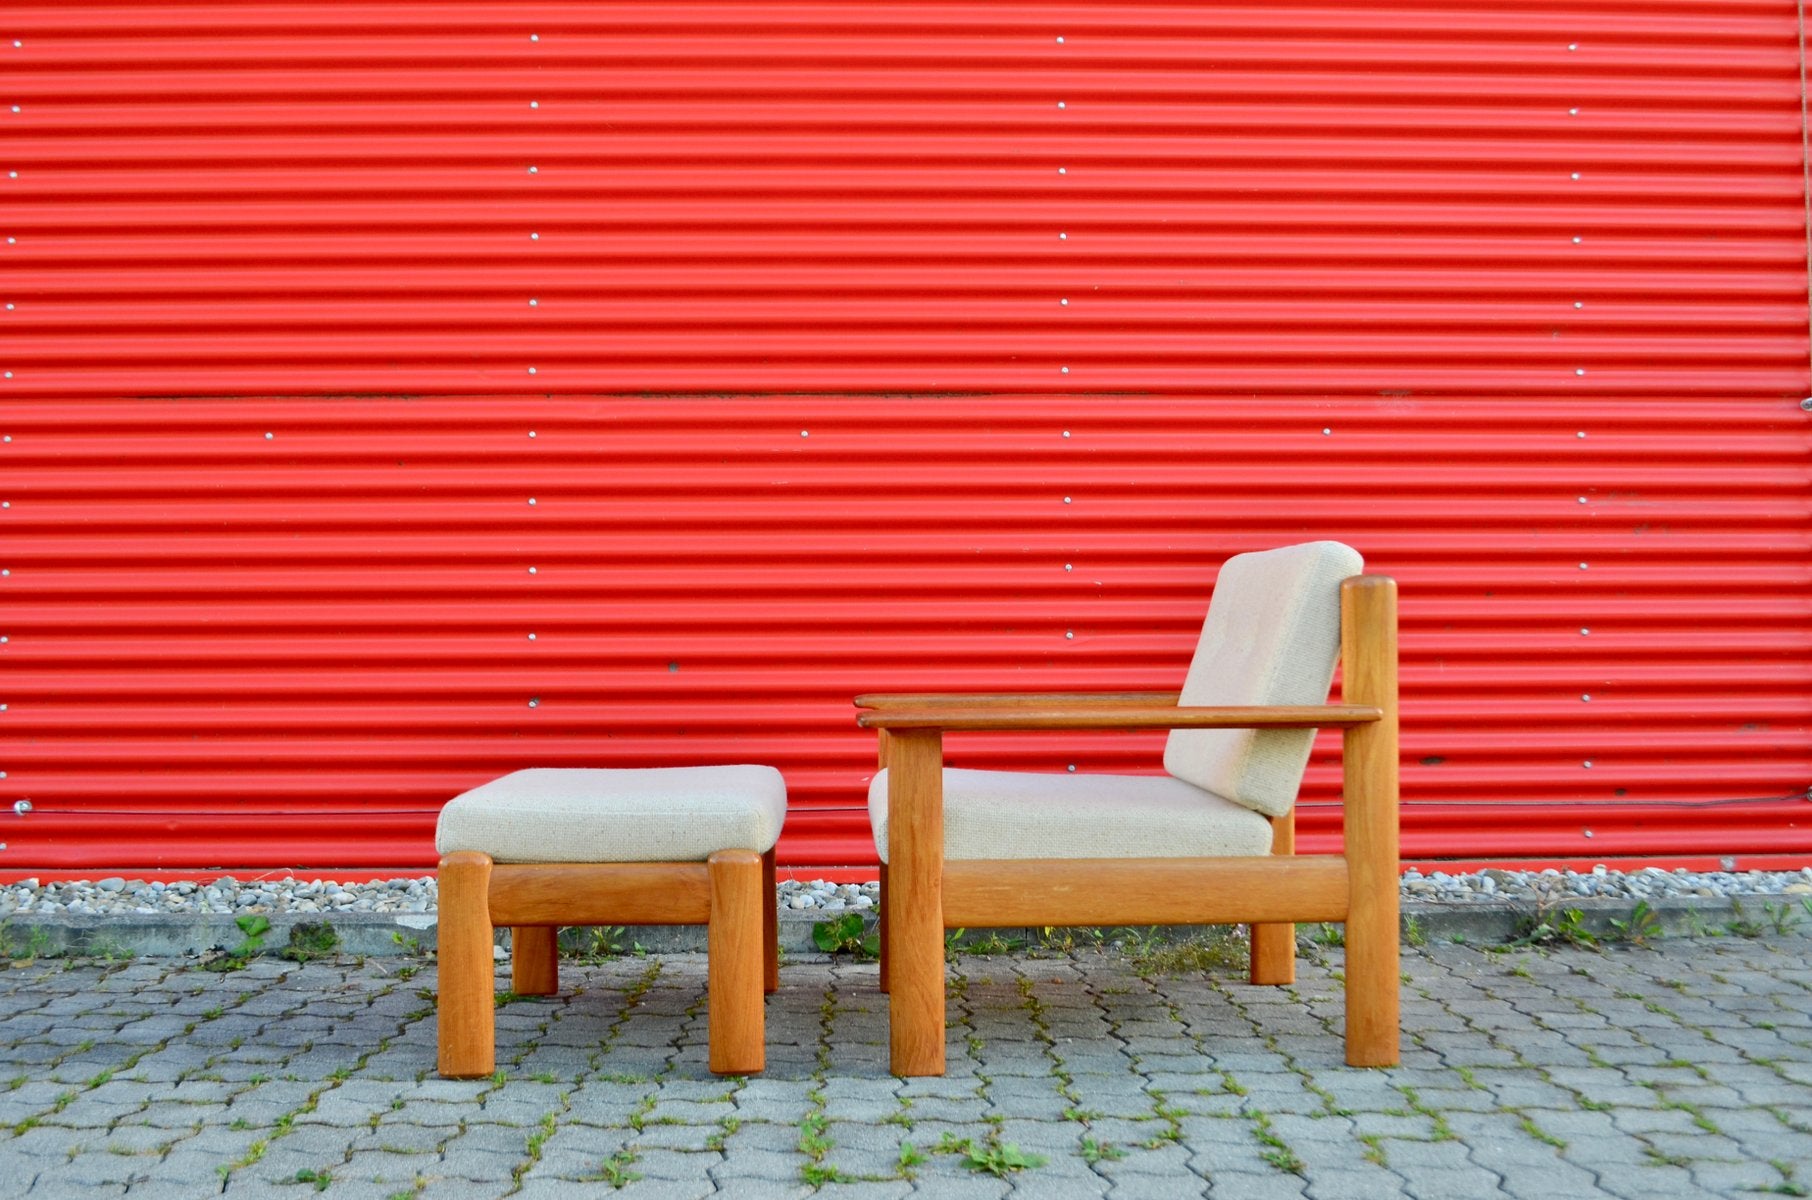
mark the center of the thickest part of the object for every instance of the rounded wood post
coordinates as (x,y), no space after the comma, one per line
(770,926)
(1274,945)
(534,960)
(467,1006)
(1368,606)
(915,901)
(734,971)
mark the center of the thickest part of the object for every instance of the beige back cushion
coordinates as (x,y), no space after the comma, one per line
(1272,637)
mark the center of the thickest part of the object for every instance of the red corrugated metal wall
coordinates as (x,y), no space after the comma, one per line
(400,394)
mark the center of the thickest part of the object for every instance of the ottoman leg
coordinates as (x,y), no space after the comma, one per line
(735,971)
(467,1019)
(770,925)
(534,960)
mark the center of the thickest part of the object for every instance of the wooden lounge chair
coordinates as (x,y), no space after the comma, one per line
(1209,842)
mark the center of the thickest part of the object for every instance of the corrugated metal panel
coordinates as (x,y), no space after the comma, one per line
(842,348)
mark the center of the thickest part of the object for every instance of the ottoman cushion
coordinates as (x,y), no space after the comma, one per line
(593,815)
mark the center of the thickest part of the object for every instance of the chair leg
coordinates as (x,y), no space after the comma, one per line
(915,909)
(1274,945)
(467,1017)
(770,926)
(534,960)
(734,971)
(881,926)
(1369,676)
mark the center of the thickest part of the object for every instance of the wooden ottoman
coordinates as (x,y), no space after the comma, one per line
(543,848)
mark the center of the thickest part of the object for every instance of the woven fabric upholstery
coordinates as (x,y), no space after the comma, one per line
(1272,637)
(1013,814)
(590,815)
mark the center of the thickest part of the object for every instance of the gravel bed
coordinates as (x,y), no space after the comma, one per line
(116,896)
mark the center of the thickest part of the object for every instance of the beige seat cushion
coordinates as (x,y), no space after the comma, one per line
(592,815)
(1272,637)
(1014,814)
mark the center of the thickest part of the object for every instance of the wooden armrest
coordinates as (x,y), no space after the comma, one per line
(1316,716)
(991,700)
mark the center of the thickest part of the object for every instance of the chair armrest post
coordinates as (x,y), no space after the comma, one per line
(1369,669)
(914,904)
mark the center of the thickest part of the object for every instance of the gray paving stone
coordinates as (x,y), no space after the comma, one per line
(1241,1185)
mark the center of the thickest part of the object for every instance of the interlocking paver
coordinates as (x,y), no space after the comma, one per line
(1525,1075)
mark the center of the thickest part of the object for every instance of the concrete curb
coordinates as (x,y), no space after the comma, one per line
(377,934)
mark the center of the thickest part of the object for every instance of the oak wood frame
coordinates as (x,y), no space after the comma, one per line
(922,895)
(723,893)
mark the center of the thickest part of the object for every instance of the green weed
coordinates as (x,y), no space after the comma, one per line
(1644,923)
(254,926)
(615,1170)
(309,940)
(847,933)
(1093,1151)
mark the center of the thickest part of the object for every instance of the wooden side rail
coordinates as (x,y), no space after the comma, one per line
(1307,716)
(600,894)
(983,893)
(967,700)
